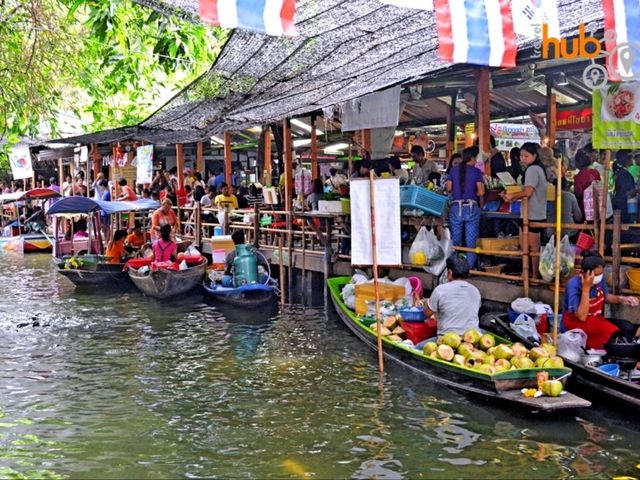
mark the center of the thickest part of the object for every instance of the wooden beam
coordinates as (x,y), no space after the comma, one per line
(451,127)
(267,156)
(483,110)
(228,159)
(552,111)
(180,164)
(314,148)
(95,155)
(200,160)
(60,174)
(288,161)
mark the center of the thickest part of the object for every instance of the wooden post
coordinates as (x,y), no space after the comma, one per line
(256,226)
(95,155)
(552,109)
(615,251)
(180,164)
(200,160)
(483,111)
(376,286)
(228,159)
(281,267)
(525,245)
(314,149)
(603,201)
(288,161)
(451,127)
(60,174)
(267,157)
(556,287)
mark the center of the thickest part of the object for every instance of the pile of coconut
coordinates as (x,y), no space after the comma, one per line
(480,352)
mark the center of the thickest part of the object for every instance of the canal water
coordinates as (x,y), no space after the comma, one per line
(116,385)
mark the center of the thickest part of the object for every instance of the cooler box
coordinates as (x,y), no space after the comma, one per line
(419,331)
(365,293)
(222,242)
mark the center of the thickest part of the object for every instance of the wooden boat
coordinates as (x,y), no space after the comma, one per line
(32,236)
(95,271)
(164,283)
(252,296)
(588,380)
(503,387)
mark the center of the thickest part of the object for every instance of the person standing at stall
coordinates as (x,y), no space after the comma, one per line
(535,189)
(423,169)
(466,185)
(624,185)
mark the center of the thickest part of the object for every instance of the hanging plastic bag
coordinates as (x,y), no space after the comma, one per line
(567,257)
(525,326)
(602,193)
(548,259)
(571,344)
(435,251)
(436,267)
(418,251)
(191,252)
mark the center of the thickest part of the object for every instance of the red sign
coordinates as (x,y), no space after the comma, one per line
(574,119)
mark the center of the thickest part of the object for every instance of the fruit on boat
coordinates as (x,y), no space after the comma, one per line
(489,360)
(502,364)
(384,331)
(538,352)
(466,349)
(488,369)
(472,336)
(429,348)
(390,322)
(450,338)
(551,350)
(478,355)
(540,362)
(395,338)
(445,352)
(459,359)
(487,341)
(519,350)
(552,388)
(554,362)
(398,331)
(523,362)
(503,351)
(491,351)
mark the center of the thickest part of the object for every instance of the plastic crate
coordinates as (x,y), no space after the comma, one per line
(416,197)
(410,315)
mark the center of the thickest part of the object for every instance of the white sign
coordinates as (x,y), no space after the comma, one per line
(530,15)
(20,161)
(387,221)
(144,170)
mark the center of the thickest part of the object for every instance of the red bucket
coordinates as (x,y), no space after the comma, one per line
(585,241)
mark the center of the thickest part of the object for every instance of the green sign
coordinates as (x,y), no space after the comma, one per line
(616,116)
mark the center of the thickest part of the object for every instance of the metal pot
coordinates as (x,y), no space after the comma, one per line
(623,350)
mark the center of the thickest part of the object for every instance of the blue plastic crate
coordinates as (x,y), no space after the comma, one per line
(417,197)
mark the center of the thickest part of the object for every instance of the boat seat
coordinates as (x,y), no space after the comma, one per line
(80,245)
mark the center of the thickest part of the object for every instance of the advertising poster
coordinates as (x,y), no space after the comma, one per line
(616,116)
(20,161)
(144,172)
(509,135)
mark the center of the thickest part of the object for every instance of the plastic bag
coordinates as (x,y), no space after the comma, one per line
(404,282)
(418,252)
(349,295)
(183,265)
(523,305)
(192,252)
(525,326)
(548,258)
(589,200)
(436,267)
(434,249)
(571,344)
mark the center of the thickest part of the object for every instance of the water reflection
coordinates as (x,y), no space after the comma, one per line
(116,385)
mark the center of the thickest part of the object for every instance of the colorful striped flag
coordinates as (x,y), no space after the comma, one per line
(417,4)
(479,32)
(273,17)
(622,38)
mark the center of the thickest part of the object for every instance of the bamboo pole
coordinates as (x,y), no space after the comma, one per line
(281,268)
(615,251)
(604,200)
(525,245)
(556,286)
(376,286)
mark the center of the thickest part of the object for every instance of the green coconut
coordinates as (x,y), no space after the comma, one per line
(450,338)
(551,350)
(488,369)
(487,341)
(445,352)
(523,362)
(459,359)
(519,350)
(538,352)
(429,347)
(503,351)
(554,362)
(466,349)
(501,365)
(472,336)
(552,388)
(489,360)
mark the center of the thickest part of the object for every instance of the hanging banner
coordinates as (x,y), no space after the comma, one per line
(509,135)
(387,210)
(375,110)
(574,119)
(20,161)
(616,116)
(144,170)
(530,15)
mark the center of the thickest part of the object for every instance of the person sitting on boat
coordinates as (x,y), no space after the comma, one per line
(115,248)
(135,240)
(238,239)
(80,229)
(584,301)
(455,304)
(165,249)
(164,216)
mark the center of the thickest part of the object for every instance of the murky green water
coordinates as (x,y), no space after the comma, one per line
(120,386)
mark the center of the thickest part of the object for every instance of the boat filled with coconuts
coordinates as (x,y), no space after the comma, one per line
(478,363)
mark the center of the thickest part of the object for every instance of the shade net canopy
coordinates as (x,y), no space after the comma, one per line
(82,206)
(346,49)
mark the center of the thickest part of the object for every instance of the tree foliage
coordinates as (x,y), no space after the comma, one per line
(107,61)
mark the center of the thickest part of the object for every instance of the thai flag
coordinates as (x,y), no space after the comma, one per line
(273,17)
(417,4)
(479,32)
(622,38)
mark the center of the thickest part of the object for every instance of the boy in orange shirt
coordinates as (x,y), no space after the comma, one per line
(136,238)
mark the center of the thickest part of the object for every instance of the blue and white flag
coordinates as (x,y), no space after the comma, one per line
(273,17)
